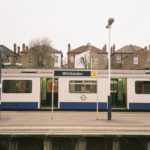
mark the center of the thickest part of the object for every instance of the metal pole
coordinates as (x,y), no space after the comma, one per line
(91,60)
(109,78)
(97,100)
(110,21)
(52,109)
(0,81)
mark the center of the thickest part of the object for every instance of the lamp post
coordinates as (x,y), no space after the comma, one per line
(0,81)
(110,22)
(0,71)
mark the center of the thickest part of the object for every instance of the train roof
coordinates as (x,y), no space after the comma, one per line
(125,73)
(99,73)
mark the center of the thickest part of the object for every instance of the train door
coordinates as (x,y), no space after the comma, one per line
(46,92)
(118,93)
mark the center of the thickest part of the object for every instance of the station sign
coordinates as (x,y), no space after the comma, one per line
(72,73)
(75,73)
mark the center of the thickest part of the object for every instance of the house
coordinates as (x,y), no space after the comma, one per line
(130,57)
(141,59)
(8,57)
(87,57)
(40,57)
(30,58)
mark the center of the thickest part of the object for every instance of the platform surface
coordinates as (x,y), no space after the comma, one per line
(73,123)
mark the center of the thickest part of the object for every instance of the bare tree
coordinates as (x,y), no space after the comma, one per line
(40,42)
(42,51)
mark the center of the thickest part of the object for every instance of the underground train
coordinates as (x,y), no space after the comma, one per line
(74,89)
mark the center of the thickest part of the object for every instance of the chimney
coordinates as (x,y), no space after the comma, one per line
(88,46)
(111,50)
(18,49)
(15,48)
(26,48)
(23,47)
(104,48)
(145,48)
(69,47)
(114,47)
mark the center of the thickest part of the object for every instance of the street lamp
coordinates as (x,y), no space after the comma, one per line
(110,22)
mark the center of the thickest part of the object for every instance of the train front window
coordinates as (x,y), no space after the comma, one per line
(17,86)
(142,87)
(82,86)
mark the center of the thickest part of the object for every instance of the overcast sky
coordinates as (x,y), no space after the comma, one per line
(75,21)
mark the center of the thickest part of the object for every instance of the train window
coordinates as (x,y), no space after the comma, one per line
(17,86)
(142,87)
(82,86)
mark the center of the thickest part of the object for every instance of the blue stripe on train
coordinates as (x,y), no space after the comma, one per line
(80,105)
(139,106)
(19,105)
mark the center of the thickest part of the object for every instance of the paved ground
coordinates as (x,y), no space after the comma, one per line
(69,123)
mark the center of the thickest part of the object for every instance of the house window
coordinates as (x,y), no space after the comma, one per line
(82,86)
(71,59)
(148,59)
(8,59)
(95,61)
(142,87)
(56,59)
(135,60)
(29,60)
(118,59)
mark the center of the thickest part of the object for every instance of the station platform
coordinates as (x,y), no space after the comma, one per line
(73,123)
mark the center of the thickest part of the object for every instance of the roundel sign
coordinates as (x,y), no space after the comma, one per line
(83,97)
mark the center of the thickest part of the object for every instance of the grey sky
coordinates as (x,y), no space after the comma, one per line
(75,21)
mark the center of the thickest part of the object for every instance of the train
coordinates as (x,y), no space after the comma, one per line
(35,89)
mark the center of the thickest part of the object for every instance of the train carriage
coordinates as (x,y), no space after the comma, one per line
(74,89)
(80,90)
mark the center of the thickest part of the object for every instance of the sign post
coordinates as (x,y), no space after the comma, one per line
(94,74)
(52,109)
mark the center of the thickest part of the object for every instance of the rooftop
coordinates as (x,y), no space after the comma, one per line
(85,48)
(129,49)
